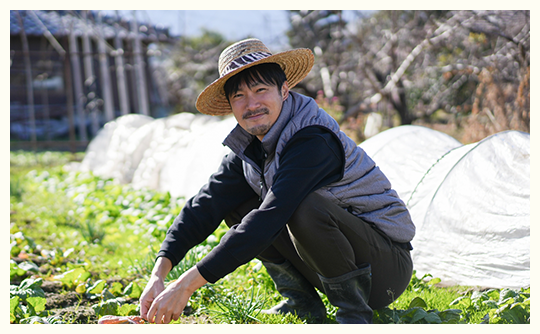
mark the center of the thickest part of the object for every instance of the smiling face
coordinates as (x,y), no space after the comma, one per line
(257,106)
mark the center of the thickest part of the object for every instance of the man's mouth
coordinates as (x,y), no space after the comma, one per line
(255,113)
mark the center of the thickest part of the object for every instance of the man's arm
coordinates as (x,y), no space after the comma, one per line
(312,159)
(198,219)
(202,214)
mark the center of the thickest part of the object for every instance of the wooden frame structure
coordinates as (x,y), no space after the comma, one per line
(73,71)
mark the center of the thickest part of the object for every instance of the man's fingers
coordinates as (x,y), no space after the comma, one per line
(152,312)
(160,317)
(144,309)
(167,317)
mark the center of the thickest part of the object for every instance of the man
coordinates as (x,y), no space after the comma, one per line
(297,193)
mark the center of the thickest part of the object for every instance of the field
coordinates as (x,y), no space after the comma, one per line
(82,247)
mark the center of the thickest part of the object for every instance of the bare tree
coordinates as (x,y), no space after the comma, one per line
(466,67)
(192,64)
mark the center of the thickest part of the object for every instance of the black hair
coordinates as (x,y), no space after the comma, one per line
(267,73)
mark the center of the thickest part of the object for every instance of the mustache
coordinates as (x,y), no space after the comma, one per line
(255,112)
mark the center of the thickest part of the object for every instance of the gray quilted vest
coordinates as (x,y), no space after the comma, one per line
(364,189)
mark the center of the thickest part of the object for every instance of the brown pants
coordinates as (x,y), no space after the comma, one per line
(324,238)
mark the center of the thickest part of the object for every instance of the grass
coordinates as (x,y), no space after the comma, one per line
(78,229)
(234,307)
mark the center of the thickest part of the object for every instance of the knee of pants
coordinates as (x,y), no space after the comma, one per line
(304,220)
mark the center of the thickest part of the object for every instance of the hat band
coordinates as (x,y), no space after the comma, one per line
(245,60)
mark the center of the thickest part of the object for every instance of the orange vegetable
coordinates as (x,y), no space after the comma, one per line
(114,319)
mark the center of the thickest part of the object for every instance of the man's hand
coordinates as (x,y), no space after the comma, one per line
(170,303)
(155,285)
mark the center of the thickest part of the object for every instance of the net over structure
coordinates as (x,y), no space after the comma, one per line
(470,203)
(175,154)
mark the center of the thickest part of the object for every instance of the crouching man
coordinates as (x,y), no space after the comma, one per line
(296,192)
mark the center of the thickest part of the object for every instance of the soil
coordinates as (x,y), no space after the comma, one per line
(77,315)
(74,308)
(50,286)
(56,300)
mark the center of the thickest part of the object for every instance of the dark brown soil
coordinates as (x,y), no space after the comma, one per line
(51,286)
(72,307)
(56,300)
(76,315)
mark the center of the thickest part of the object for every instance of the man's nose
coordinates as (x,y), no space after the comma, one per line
(252,102)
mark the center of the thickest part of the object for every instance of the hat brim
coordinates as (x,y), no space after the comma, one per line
(295,63)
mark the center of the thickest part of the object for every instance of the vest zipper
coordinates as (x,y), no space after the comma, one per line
(262,181)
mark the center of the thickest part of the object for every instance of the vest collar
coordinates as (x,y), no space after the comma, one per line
(239,138)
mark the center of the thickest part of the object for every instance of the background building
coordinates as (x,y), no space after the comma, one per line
(72,71)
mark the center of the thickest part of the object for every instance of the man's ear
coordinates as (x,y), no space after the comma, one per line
(285,90)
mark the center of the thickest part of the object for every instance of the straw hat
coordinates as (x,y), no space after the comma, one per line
(295,63)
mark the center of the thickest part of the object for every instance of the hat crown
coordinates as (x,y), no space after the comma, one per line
(240,54)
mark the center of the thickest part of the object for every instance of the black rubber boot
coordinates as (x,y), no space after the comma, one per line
(302,300)
(350,294)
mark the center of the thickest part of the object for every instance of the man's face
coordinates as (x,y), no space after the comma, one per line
(257,108)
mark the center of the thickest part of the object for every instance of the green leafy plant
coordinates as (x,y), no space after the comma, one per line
(420,284)
(26,300)
(42,320)
(506,306)
(22,269)
(417,313)
(108,307)
(132,290)
(74,278)
(236,308)
(28,288)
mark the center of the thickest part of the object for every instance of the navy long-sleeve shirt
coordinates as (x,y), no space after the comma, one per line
(312,158)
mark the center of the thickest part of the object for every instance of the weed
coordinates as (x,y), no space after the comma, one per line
(237,308)
(16,188)
(141,267)
(193,256)
(92,231)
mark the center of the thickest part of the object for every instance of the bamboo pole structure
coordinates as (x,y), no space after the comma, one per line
(44,90)
(77,78)
(139,70)
(120,71)
(45,101)
(69,103)
(29,87)
(55,44)
(90,81)
(105,75)
(130,71)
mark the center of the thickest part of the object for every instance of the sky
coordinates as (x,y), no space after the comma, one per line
(267,25)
